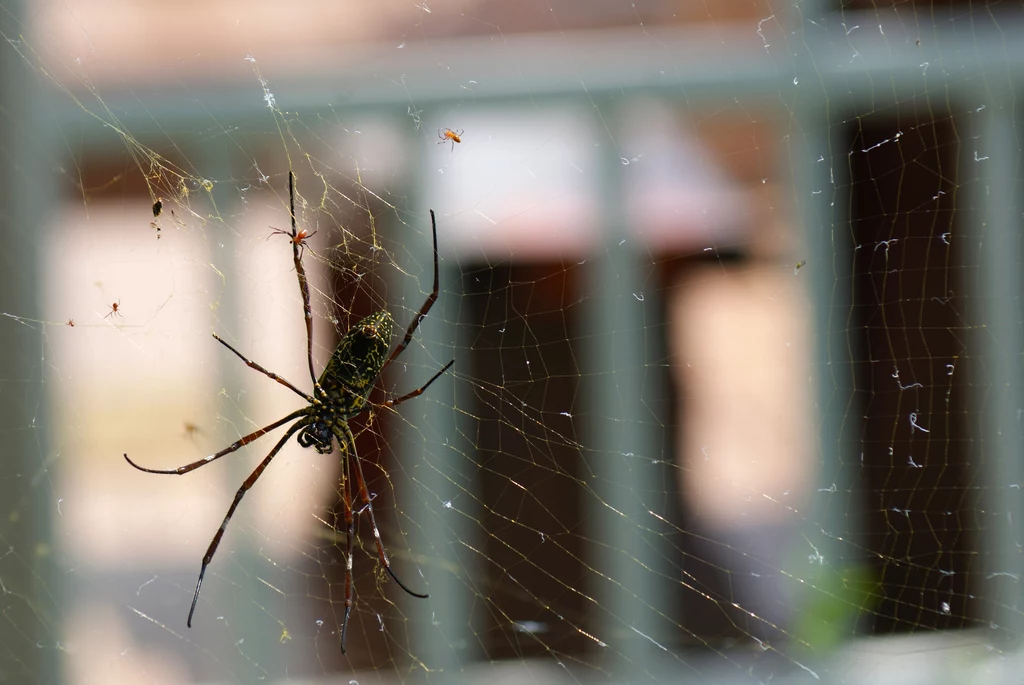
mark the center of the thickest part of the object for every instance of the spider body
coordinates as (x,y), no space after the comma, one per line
(359,357)
(446,134)
(297,239)
(346,382)
(340,393)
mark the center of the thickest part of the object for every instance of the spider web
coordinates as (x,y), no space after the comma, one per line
(731,295)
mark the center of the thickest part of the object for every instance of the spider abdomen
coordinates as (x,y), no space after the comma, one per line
(357,361)
(347,380)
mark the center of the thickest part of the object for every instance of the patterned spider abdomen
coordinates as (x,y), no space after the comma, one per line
(357,361)
(347,380)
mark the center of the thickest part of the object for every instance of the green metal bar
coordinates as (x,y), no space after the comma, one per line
(990,164)
(441,503)
(881,61)
(31,592)
(435,457)
(621,449)
(252,629)
(831,521)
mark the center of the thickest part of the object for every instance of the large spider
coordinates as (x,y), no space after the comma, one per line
(340,394)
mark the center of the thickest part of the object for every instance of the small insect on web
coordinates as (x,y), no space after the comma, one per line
(158,207)
(340,394)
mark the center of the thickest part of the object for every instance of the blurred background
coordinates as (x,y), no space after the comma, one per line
(732,290)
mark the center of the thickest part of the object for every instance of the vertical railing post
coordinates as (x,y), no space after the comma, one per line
(436,482)
(251,628)
(990,166)
(31,609)
(620,448)
(820,176)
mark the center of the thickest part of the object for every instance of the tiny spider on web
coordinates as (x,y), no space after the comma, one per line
(115,308)
(339,394)
(296,239)
(446,134)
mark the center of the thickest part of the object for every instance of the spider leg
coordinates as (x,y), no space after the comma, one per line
(303,281)
(236,445)
(350,534)
(418,391)
(269,374)
(344,435)
(431,298)
(249,482)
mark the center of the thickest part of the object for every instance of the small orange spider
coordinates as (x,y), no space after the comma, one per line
(114,309)
(71,322)
(297,239)
(446,134)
